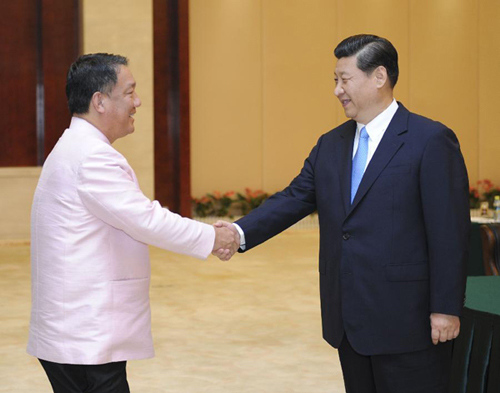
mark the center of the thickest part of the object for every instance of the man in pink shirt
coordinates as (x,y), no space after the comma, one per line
(91,226)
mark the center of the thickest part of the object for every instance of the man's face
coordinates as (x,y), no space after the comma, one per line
(356,91)
(122,104)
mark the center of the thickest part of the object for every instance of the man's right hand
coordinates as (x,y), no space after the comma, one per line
(227,242)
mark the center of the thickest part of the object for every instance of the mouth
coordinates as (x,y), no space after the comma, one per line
(345,102)
(132,115)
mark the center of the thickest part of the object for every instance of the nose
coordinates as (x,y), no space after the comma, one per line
(137,101)
(338,90)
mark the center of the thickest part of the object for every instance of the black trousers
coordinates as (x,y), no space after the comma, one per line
(78,378)
(426,371)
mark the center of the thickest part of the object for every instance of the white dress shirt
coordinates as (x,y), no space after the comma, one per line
(375,130)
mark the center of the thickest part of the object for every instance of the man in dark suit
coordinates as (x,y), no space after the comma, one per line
(391,192)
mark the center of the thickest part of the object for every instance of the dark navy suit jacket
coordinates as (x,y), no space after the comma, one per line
(398,253)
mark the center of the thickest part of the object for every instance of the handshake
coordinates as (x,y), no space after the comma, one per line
(227,240)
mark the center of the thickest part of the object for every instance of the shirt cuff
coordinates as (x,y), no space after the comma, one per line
(242,236)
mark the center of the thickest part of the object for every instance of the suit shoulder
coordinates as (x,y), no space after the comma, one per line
(428,129)
(347,126)
(425,124)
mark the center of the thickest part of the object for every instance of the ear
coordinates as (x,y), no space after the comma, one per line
(97,102)
(381,78)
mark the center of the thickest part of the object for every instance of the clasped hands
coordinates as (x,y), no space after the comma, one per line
(227,240)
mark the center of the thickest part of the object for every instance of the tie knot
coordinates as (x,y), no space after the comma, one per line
(363,134)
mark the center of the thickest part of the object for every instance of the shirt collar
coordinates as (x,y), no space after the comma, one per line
(77,123)
(379,124)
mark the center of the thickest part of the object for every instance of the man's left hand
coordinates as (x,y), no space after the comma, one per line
(444,327)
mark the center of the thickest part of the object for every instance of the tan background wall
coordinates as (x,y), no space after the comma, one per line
(262,80)
(17,186)
(488,105)
(262,84)
(125,27)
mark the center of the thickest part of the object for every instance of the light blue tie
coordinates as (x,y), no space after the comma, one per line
(359,162)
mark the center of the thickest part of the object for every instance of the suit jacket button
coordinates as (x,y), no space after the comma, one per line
(346,236)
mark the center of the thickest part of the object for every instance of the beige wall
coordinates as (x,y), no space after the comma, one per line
(17,187)
(444,71)
(226,95)
(262,80)
(488,64)
(296,84)
(125,27)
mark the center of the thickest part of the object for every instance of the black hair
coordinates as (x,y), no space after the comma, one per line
(372,51)
(88,74)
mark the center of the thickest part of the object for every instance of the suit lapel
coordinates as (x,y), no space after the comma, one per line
(344,155)
(391,142)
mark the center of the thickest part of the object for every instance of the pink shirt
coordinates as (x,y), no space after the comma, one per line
(90,227)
